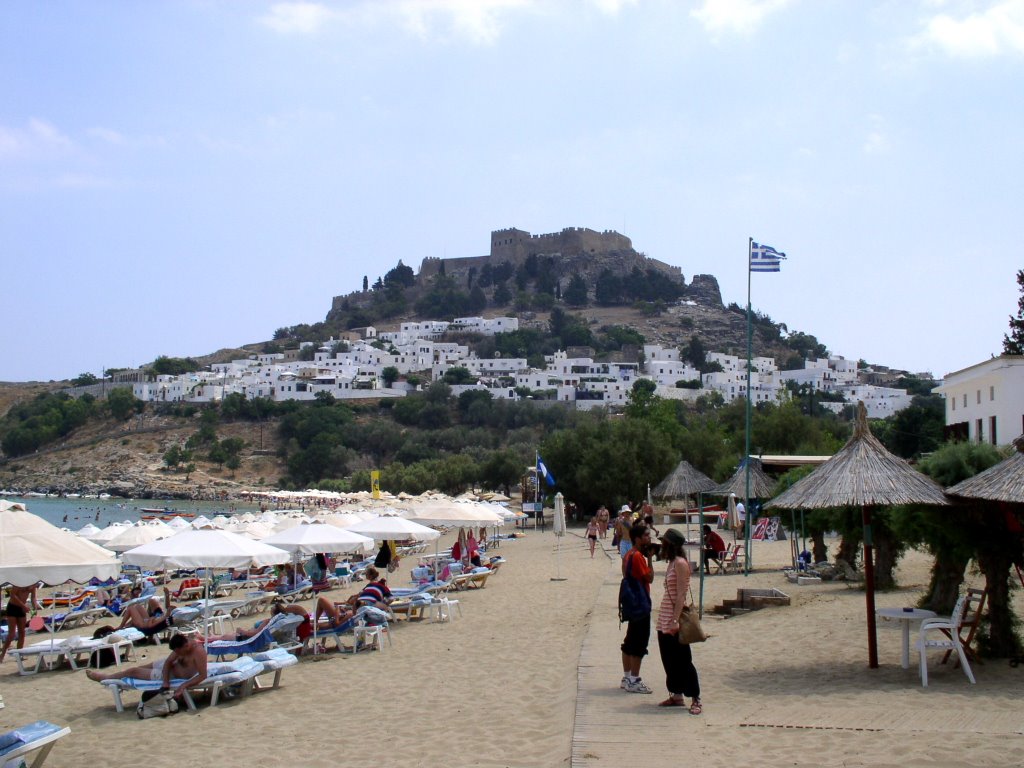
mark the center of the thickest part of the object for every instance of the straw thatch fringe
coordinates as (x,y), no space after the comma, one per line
(685,480)
(761,485)
(863,473)
(1003,482)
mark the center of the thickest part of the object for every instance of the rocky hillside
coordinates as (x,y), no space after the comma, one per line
(127,460)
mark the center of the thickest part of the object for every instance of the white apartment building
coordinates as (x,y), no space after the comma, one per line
(985,402)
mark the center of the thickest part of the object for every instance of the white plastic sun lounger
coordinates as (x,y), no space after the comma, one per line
(38,736)
(241,671)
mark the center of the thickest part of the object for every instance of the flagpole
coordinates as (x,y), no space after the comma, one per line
(746,447)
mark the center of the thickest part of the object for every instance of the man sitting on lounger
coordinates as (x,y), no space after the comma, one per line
(187,662)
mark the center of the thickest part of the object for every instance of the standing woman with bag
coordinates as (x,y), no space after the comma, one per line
(680,674)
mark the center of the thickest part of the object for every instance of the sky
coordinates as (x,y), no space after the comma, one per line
(182,176)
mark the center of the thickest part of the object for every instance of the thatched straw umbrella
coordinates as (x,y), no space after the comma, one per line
(681,483)
(1003,482)
(863,473)
(998,494)
(761,485)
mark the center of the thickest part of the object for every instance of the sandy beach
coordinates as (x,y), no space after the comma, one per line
(528,676)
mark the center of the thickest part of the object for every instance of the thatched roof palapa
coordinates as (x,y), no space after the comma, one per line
(761,485)
(685,480)
(1003,482)
(863,473)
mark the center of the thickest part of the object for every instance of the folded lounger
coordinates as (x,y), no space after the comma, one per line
(242,671)
(23,741)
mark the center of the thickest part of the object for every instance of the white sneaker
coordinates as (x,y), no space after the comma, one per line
(624,682)
(638,686)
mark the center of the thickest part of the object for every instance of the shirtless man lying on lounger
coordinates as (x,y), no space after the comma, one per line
(186,662)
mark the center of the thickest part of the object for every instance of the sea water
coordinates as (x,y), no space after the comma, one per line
(77,513)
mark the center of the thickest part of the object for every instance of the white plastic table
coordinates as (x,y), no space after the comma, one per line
(905,616)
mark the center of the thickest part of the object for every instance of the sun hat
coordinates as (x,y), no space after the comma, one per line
(672,536)
(625,508)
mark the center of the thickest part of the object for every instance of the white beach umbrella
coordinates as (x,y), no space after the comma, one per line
(559,529)
(202,522)
(394,528)
(178,524)
(339,519)
(205,549)
(88,530)
(106,534)
(33,550)
(311,538)
(452,513)
(136,536)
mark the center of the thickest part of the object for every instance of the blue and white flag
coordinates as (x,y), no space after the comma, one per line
(764,258)
(542,471)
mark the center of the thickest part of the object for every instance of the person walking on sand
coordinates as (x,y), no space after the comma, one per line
(592,531)
(21,601)
(680,675)
(638,630)
(602,521)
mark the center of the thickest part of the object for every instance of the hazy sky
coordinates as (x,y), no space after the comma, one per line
(176,177)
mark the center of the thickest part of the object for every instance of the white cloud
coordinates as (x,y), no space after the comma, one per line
(612,7)
(297,18)
(997,30)
(477,21)
(877,140)
(38,137)
(742,16)
(82,181)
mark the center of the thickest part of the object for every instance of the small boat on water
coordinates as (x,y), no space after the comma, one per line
(150,513)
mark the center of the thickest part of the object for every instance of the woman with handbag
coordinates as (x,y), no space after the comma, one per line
(680,674)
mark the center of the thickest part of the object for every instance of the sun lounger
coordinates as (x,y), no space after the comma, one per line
(38,736)
(77,651)
(258,642)
(85,613)
(364,618)
(275,660)
(302,592)
(220,675)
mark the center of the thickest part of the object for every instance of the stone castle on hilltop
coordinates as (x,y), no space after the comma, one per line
(575,250)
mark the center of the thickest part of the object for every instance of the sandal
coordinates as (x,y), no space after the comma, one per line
(671,702)
(696,708)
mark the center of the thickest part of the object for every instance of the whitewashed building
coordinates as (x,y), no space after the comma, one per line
(985,402)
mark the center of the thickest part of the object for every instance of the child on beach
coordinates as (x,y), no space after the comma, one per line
(592,532)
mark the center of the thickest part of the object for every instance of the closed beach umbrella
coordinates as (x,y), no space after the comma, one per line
(862,474)
(33,550)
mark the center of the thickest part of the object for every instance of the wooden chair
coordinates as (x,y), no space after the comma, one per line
(974,605)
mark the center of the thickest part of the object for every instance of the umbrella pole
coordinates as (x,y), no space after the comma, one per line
(869,587)
(700,591)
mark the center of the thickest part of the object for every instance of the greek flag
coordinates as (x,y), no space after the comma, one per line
(542,471)
(764,258)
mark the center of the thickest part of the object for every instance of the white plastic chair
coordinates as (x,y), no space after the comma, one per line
(945,635)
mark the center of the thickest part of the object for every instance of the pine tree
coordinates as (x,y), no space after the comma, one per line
(1013,343)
